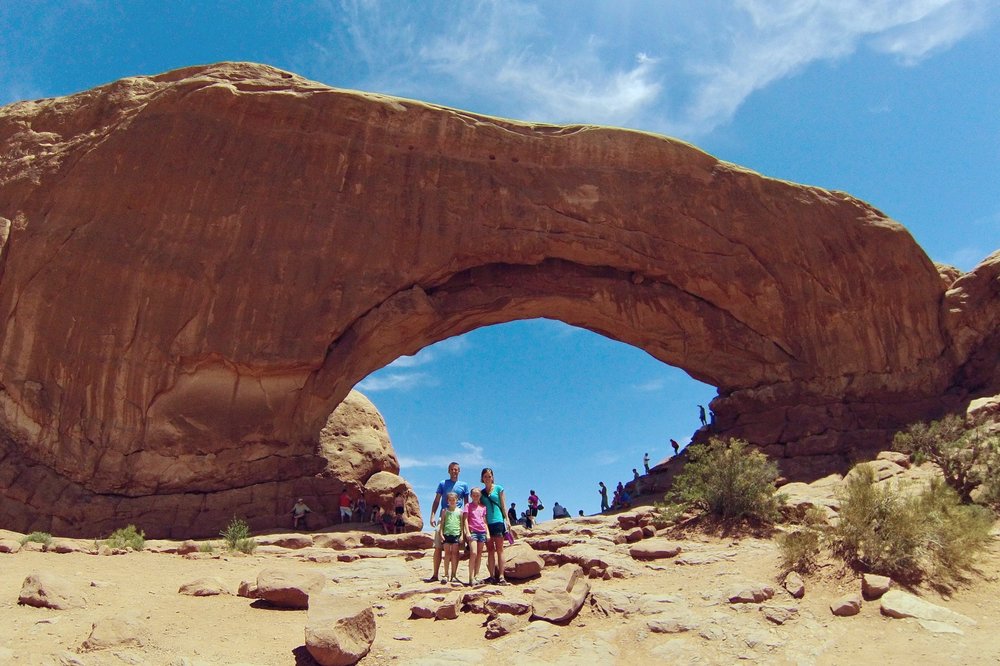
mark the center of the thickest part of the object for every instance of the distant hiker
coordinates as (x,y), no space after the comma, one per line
(399,507)
(645,461)
(299,512)
(711,417)
(345,506)
(676,446)
(360,509)
(701,415)
(461,489)
(636,481)
(534,504)
(376,515)
(604,496)
(559,511)
(512,513)
(580,513)
(388,522)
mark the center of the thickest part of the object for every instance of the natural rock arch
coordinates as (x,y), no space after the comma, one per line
(201,264)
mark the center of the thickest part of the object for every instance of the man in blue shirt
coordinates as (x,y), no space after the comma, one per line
(449,485)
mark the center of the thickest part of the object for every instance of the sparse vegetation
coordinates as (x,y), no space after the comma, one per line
(43,538)
(968,457)
(907,537)
(728,480)
(237,536)
(800,549)
(127,537)
(206,547)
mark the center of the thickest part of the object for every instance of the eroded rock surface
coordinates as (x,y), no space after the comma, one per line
(198,266)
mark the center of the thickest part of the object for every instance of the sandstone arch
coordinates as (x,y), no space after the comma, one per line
(201,264)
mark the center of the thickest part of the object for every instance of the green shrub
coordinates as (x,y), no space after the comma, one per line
(728,480)
(43,538)
(800,549)
(237,536)
(245,546)
(904,536)
(967,456)
(127,537)
(206,547)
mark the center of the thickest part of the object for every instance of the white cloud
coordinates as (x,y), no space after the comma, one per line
(690,70)
(468,455)
(396,381)
(651,386)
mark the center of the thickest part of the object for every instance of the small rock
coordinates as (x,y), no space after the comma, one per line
(188,546)
(248,589)
(287,588)
(115,632)
(339,631)
(561,595)
(899,604)
(873,587)
(505,606)
(668,625)
(847,605)
(780,614)
(45,590)
(204,587)
(794,585)
(900,459)
(9,546)
(503,625)
(522,562)
(750,593)
(655,549)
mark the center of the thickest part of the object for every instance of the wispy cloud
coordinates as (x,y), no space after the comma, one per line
(467,455)
(396,381)
(651,386)
(691,69)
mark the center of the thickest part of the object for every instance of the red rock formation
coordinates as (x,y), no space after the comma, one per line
(200,265)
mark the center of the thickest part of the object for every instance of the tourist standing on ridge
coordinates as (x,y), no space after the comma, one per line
(512,513)
(533,505)
(645,461)
(676,446)
(604,496)
(701,415)
(637,483)
(461,490)
(496,525)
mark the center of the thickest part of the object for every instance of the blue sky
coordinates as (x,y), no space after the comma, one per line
(894,101)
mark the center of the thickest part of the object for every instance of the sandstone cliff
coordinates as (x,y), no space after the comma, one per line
(198,266)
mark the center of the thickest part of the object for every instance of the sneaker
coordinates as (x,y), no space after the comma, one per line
(432,579)
(502,581)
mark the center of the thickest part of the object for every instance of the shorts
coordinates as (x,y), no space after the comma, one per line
(345,512)
(399,511)
(451,538)
(497,529)
(478,536)
(533,511)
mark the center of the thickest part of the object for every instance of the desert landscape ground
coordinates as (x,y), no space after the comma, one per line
(675,608)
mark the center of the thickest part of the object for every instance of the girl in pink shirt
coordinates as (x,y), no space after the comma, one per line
(474,525)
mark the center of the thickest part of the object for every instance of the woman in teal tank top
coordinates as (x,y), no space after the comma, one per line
(494,500)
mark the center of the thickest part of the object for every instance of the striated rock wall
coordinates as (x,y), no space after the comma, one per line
(197,267)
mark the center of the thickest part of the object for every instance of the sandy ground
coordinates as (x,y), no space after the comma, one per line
(229,629)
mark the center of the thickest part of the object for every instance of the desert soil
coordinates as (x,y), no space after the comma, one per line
(229,629)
